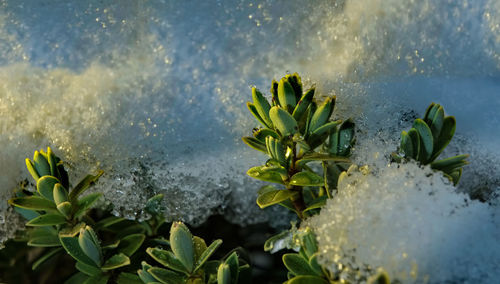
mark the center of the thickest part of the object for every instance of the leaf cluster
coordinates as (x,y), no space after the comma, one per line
(427,139)
(296,130)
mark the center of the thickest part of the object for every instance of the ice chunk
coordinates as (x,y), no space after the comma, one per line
(411,222)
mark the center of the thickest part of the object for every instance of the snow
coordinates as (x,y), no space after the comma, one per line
(154,92)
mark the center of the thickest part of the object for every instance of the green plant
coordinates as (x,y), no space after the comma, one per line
(296,131)
(109,249)
(428,137)
(187,261)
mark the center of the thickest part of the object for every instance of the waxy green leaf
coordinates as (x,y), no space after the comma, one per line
(181,243)
(286,95)
(426,139)
(297,265)
(89,243)
(83,185)
(303,104)
(72,247)
(255,143)
(306,178)
(321,115)
(166,276)
(131,243)
(273,197)
(42,166)
(45,186)
(33,203)
(47,220)
(262,106)
(267,174)
(207,253)
(167,259)
(116,261)
(283,121)
(253,110)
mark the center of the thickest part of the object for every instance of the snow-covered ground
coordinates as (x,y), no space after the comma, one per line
(154,92)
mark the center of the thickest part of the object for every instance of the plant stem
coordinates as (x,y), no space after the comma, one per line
(297,200)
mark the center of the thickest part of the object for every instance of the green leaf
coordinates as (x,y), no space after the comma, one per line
(306,178)
(233,263)
(262,106)
(45,257)
(325,128)
(286,95)
(321,115)
(255,143)
(310,112)
(116,261)
(309,243)
(267,173)
(90,270)
(296,83)
(45,241)
(262,133)
(224,274)
(436,124)
(89,243)
(307,279)
(455,176)
(272,197)
(297,265)
(60,194)
(32,170)
(283,121)
(167,259)
(449,163)
(447,132)
(166,276)
(274,93)
(128,278)
(303,104)
(104,223)
(51,158)
(33,203)
(144,275)
(42,166)
(430,112)
(253,110)
(110,245)
(153,205)
(45,186)
(318,157)
(415,142)
(131,243)
(70,244)
(319,203)
(315,266)
(426,139)
(64,208)
(207,253)
(345,138)
(181,243)
(199,247)
(83,185)
(47,220)
(86,202)
(407,145)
